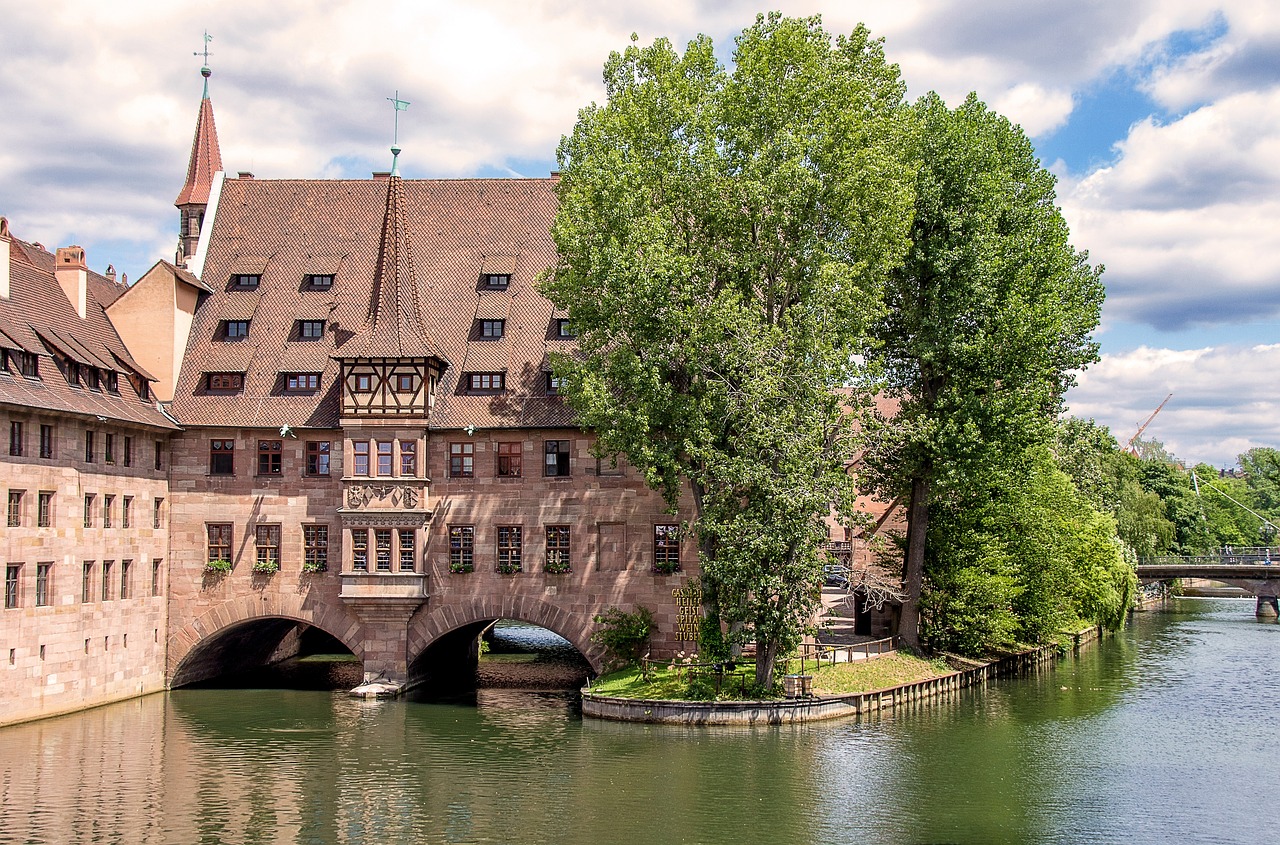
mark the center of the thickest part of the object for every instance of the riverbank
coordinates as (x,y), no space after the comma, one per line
(822,705)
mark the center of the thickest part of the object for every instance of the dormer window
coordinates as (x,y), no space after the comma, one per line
(310,329)
(555,384)
(492,329)
(29,364)
(246,280)
(486,381)
(563,329)
(321,281)
(92,379)
(73,373)
(235,329)
(113,381)
(302,381)
(224,381)
(497,280)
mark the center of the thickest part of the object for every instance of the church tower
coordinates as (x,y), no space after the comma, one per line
(206,160)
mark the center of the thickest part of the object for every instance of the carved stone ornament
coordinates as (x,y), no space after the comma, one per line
(399,496)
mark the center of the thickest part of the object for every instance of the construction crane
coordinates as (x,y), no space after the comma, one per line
(1132,449)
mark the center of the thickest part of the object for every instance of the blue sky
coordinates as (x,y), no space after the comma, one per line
(1161,119)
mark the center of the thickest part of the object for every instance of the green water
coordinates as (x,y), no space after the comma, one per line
(1169,733)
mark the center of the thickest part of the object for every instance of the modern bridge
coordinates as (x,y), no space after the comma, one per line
(1255,570)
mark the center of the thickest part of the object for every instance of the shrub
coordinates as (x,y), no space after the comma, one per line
(266,566)
(624,635)
(217,566)
(314,567)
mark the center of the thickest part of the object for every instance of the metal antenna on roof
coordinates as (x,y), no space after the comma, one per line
(400,105)
(204,69)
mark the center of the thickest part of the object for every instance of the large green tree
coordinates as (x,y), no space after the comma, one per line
(986,319)
(723,237)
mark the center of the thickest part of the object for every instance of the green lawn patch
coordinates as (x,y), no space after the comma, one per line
(665,684)
(890,670)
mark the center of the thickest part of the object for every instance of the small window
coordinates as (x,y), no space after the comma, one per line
(108,511)
(224,381)
(405,382)
(109,448)
(128,451)
(73,373)
(360,549)
(29,364)
(269,457)
(12,578)
(222,457)
(408,545)
(408,458)
(666,548)
(510,460)
(318,457)
(462,460)
(555,384)
(557,458)
(497,280)
(492,329)
(16,437)
(360,457)
(15,508)
(219,544)
(315,548)
(510,548)
(302,381)
(126,512)
(46,441)
(382,549)
(89,454)
(462,547)
(246,280)
(311,329)
(92,379)
(558,548)
(44,584)
(126,583)
(107,566)
(159,454)
(563,329)
(486,381)
(323,281)
(362,383)
(235,329)
(385,457)
(44,509)
(113,381)
(156,566)
(86,582)
(88,509)
(157,513)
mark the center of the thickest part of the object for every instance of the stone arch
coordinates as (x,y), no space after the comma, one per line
(187,641)
(574,627)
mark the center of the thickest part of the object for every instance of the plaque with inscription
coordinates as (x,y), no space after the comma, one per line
(688,613)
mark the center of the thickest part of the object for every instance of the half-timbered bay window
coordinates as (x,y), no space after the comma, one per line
(269,457)
(510,548)
(666,548)
(558,548)
(462,460)
(509,460)
(462,543)
(222,457)
(315,548)
(318,457)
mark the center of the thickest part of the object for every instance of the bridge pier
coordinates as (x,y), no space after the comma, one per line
(1268,607)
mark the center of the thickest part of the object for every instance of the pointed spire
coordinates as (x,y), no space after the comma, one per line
(206,157)
(393,327)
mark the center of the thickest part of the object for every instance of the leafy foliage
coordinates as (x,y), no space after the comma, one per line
(624,635)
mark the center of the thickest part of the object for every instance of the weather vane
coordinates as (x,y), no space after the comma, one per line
(204,70)
(400,105)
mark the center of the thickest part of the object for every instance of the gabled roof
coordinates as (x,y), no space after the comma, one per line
(206,159)
(458,230)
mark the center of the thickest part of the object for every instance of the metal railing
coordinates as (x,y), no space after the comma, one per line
(820,652)
(1228,556)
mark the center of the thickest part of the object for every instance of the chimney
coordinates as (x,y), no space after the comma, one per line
(244,174)
(4,258)
(73,277)
(111,273)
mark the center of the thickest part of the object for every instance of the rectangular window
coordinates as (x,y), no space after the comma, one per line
(92,378)
(86,582)
(318,457)
(360,457)
(73,373)
(15,508)
(363,383)
(486,381)
(311,329)
(510,460)
(107,566)
(555,384)
(12,579)
(666,548)
(157,513)
(126,512)
(492,329)
(44,509)
(155,576)
(219,545)
(382,548)
(385,457)
(404,382)
(29,364)
(46,441)
(315,548)
(269,457)
(224,381)
(108,505)
(128,451)
(113,381)
(462,460)
(563,329)
(44,595)
(462,542)
(497,280)
(15,438)
(407,546)
(222,457)
(89,454)
(109,448)
(557,548)
(360,550)
(159,454)
(235,329)
(510,548)
(302,381)
(557,458)
(408,458)
(246,280)
(126,585)
(267,545)
(88,510)
(320,280)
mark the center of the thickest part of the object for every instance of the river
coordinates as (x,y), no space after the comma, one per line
(1166,733)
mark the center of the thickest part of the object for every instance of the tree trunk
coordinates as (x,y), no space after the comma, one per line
(766,656)
(913,569)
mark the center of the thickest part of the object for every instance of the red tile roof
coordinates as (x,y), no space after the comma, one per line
(206,159)
(454,230)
